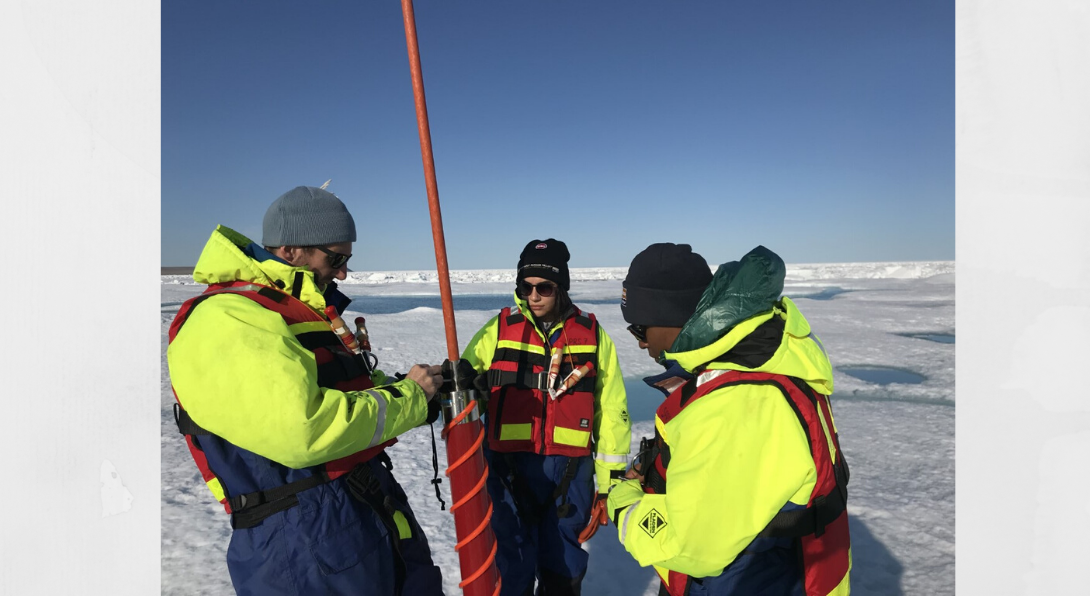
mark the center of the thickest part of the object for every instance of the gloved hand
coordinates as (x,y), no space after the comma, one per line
(481,384)
(458,375)
(433,411)
(598,517)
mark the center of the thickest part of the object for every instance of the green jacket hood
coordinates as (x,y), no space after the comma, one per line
(742,322)
(738,290)
(223,260)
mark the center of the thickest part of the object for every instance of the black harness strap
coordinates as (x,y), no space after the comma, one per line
(272,294)
(250,509)
(297,285)
(840,466)
(561,492)
(825,508)
(515,319)
(364,487)
(342,367)
(810,520)
(689,389)
(529,380)
(524,380)
(186,426)
(520,357)
(241,520)
(312,340)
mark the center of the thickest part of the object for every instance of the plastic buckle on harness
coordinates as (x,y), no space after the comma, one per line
(240,503)
(541,381)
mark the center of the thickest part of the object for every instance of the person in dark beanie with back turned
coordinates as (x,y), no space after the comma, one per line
(557,413)
(743,488)
(287,426)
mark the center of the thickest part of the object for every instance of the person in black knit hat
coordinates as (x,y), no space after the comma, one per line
(663,285)
(547,259)
(557,415)
(743,488)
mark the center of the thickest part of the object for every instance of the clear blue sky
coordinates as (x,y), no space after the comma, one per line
(824,131)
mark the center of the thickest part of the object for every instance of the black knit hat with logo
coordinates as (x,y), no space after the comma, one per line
(664,285)
(547,259)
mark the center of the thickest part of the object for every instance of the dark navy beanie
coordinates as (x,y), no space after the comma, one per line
(547,259)
(664,285)
(307,216)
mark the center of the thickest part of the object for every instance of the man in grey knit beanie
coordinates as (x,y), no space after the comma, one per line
(310,227)
(288,423)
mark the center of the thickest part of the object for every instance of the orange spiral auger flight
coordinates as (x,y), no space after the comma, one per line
(462,428)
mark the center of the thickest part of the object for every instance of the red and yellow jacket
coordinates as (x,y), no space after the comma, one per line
(257,369)
(591,417)
(744,452)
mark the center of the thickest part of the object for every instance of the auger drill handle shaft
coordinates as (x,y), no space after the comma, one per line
(459,390)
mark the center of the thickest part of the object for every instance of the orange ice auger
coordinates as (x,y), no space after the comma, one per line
(462,427)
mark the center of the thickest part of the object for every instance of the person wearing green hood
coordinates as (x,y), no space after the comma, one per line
(743,488)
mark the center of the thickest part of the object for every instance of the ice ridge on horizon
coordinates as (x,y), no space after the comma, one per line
(796,272)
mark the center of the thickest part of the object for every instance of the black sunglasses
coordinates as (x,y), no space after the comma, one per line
(639,332)
(336,259)
(544,289)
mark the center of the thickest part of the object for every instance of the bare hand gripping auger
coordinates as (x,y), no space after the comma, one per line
(462,429)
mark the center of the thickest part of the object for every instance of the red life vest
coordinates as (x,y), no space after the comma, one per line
(822,526)
(337,369)
(521,414)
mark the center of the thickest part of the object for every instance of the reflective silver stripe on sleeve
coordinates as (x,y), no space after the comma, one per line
(611,459)
(624,524)
(237,289)
(380,417)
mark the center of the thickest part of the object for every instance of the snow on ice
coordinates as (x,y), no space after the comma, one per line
(898,437)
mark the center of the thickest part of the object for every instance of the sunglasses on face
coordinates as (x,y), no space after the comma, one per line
(639,332)
(544,289)
(336,259)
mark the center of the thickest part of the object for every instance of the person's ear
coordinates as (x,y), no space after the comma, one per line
(290,254)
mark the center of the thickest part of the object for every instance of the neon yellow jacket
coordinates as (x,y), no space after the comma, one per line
(612,429)
(240,373)
(737,456)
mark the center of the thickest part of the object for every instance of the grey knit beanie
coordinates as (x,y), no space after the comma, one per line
(307,216)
